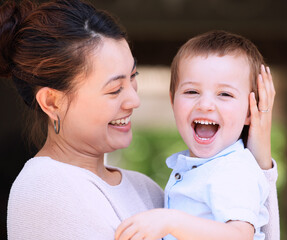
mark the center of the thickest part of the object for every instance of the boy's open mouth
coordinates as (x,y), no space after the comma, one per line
(205,129)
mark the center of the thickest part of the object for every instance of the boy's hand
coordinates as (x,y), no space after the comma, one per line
(149,225)
(259,136)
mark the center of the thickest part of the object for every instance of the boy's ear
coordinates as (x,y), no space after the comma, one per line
(170,98)
(248,119)
(50,101)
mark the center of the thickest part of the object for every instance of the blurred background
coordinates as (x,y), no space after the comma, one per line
(156,29)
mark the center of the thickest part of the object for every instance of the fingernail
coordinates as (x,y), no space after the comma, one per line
(268,70)
(263,68)
(253,96)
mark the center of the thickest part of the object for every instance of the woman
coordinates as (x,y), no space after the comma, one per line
(73,67)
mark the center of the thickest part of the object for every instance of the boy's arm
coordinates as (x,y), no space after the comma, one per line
(157,223)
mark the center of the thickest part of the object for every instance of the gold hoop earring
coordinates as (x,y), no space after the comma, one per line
(57,125)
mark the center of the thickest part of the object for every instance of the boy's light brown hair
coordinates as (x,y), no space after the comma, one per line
(218,43)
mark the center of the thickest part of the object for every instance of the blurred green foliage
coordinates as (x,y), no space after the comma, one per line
(278,141)
(150,148)
(148,151)
(278,145)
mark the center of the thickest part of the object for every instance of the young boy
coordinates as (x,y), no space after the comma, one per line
(216,189)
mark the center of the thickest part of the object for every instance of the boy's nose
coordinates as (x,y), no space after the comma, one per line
(206,103)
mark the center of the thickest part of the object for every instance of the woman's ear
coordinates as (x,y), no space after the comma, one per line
(50,101)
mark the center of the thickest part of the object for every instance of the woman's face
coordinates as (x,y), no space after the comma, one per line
(98,118)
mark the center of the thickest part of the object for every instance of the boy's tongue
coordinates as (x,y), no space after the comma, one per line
(205,131)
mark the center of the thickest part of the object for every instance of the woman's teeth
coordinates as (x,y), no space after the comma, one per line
(120,122)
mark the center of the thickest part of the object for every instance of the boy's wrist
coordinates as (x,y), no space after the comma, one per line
(266,162)
(172,223)
(176,221)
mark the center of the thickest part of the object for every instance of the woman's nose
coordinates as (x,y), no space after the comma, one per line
(132,99)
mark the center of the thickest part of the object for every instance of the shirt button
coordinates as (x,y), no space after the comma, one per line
(177,176)
(193,167)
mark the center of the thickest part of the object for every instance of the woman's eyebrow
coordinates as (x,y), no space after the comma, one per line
(118,77)
(135,64)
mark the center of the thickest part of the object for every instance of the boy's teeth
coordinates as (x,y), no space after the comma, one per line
(204,122)
(203,139)
(120,121)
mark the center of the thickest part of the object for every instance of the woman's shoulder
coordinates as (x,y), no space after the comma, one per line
(36,167)
(42,175)
(40,169)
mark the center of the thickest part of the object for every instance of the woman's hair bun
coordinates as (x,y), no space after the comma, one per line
(12,15)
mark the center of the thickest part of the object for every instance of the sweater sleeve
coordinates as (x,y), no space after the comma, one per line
(272,229)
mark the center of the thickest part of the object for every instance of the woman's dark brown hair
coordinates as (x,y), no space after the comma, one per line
(47,46)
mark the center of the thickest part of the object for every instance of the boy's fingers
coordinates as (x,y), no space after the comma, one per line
(122,227)
(267,80)
(263,71)
(127,233)
(137,236)
(270,89)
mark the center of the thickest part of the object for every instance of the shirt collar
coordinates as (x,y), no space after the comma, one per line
(182,160)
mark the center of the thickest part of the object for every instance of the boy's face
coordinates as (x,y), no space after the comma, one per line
(211,102)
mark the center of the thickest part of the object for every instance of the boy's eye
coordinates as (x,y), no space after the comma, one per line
(191,92)
(116,92)
(134,75)
(225,94)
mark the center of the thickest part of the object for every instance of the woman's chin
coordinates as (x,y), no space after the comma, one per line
(122,143)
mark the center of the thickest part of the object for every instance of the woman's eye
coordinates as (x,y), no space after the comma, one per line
(134,75)
(116,92)
(224,94)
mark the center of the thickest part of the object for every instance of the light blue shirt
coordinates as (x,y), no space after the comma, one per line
(228,186)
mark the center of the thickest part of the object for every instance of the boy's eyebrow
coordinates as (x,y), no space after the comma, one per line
(227,86)
(189,82)
(220,85)
(117,77)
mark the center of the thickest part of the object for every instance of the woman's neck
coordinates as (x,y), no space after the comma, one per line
(93,162)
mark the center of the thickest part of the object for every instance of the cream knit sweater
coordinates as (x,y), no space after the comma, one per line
(51,200)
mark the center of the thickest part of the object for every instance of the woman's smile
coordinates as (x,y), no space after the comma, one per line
(122,124)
